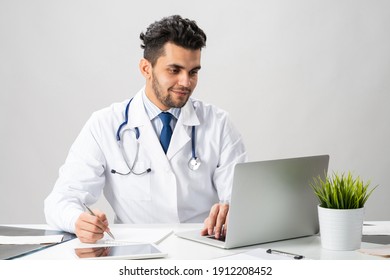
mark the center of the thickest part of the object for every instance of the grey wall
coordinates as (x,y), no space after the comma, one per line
(298,77)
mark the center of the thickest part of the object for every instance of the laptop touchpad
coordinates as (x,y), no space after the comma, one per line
(221,238)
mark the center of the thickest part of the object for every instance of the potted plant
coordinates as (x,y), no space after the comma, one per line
(341,210)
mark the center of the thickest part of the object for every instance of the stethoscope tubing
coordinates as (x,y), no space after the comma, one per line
(193,163)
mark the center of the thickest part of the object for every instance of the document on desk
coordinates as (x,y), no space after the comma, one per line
(20,240)
(262,254)
(137,235)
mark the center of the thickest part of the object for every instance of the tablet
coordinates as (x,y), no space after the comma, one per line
(121,252)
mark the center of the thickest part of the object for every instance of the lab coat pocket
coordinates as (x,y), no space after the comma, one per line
(134,187)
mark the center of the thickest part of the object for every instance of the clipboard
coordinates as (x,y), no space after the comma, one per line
(9,252)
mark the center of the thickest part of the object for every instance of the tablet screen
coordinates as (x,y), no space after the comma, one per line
(128,251)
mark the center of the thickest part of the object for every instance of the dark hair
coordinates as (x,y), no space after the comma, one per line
(182,32)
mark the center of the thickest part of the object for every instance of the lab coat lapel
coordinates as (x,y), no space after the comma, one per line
(182,132)
(152,145)
(148,138)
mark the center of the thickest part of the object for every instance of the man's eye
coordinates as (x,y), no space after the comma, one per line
(173,71)
(194,73)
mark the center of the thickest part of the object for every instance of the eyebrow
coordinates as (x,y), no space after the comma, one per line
(182,67)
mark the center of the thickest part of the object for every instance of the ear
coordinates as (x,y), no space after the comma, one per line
(146,68)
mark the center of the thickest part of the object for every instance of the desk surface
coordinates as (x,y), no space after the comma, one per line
(178,248)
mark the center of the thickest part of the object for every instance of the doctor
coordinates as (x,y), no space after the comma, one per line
(159,157)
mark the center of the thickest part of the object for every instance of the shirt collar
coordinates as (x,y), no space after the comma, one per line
(153,111)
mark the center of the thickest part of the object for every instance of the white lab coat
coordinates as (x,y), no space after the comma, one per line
(171,192)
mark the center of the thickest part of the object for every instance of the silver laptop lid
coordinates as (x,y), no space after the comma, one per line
(272,200)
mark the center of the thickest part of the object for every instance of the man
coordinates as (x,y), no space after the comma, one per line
(140,158)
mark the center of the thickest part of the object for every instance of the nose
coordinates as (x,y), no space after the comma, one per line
(184,80)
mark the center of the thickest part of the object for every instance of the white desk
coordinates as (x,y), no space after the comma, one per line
(178,248)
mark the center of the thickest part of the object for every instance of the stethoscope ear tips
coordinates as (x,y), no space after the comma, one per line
(113,171)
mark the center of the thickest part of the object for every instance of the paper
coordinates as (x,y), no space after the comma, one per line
(382,251)
(257,254)
(376,228)
(137,235)
(40,239)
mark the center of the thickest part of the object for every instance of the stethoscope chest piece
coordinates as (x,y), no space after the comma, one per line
(194,163)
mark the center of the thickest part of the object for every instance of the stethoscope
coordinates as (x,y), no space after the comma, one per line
(193,163)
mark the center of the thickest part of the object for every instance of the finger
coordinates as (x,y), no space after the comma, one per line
(225,228)
(92,223)
(89,228)
(208,225)
(220,220)
(100,215)
(205,229)
(103,219)
(212,219)
(89,237)
(99,219)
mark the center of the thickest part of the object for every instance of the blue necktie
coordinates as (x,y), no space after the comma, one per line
(166,132)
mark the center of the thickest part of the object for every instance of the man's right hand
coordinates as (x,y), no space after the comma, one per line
(89,228)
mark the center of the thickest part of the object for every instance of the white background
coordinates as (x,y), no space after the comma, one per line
(298,77)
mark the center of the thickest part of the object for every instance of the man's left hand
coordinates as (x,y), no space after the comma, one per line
(216,223)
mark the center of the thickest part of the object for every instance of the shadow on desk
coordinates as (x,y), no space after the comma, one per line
(377,239)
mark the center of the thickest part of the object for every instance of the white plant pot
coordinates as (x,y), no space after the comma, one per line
(341,229)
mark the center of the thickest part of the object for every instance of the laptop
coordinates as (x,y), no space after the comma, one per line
(271,201)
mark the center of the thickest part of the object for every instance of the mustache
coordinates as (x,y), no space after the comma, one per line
(182,89)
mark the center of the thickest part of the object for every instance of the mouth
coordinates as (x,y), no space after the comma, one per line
(181,92)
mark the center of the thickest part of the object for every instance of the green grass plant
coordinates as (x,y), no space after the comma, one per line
(341,191)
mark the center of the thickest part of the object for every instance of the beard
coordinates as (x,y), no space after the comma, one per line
(169,99)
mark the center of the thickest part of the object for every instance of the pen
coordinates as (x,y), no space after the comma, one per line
(286,254)
(93,214)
